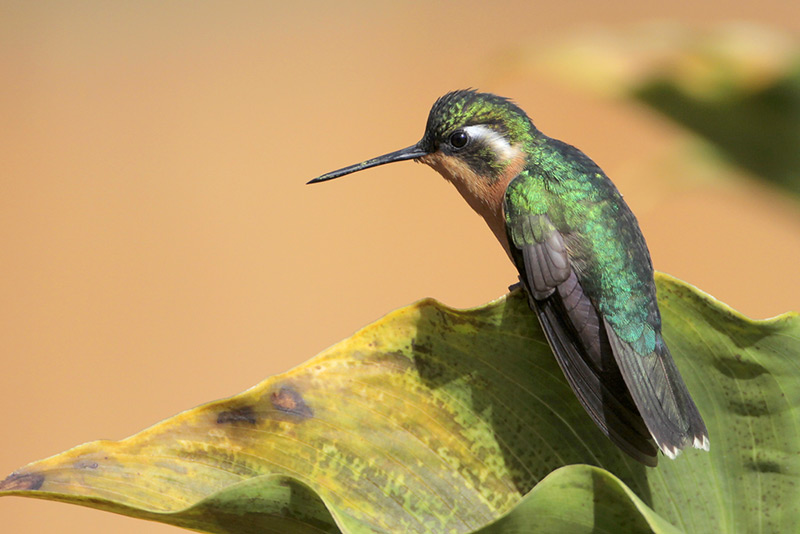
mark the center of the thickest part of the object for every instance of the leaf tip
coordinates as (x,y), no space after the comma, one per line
(22,482)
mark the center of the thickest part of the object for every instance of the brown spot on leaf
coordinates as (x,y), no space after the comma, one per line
(86,464)
(243,414)
(289,400)
(26,482)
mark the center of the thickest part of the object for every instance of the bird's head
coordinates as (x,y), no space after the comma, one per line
(471,138)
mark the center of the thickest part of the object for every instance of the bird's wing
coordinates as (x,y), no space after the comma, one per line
(576,331)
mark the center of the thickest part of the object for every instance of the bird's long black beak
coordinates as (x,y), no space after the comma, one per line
(412,152)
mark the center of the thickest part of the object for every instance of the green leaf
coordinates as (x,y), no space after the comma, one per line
(580,499)
(442,420)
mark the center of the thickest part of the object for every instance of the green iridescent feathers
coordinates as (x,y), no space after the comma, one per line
(469,107)
(599,313)
(605,245)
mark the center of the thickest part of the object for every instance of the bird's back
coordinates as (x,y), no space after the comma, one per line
(600,315)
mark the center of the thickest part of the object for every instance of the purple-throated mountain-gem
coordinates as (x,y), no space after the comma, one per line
(581,258)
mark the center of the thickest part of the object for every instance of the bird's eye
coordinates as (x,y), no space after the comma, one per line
(459,139)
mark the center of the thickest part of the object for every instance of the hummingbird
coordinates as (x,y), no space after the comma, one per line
(582,260)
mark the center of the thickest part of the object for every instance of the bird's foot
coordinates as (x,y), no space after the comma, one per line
(514,287)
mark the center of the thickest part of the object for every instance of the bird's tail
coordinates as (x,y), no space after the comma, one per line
(661,396)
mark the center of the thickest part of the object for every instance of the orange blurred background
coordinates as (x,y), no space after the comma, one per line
(160,249)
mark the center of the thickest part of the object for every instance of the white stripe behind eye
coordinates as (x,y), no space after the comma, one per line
(497,142)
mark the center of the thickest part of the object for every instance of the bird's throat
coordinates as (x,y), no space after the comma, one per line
(484,194)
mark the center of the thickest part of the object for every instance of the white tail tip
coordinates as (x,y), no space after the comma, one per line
(701,442)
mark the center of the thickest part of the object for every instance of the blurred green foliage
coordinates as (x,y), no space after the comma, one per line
(758,130)
(736,86)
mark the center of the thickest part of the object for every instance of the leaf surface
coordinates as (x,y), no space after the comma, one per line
(441,420)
